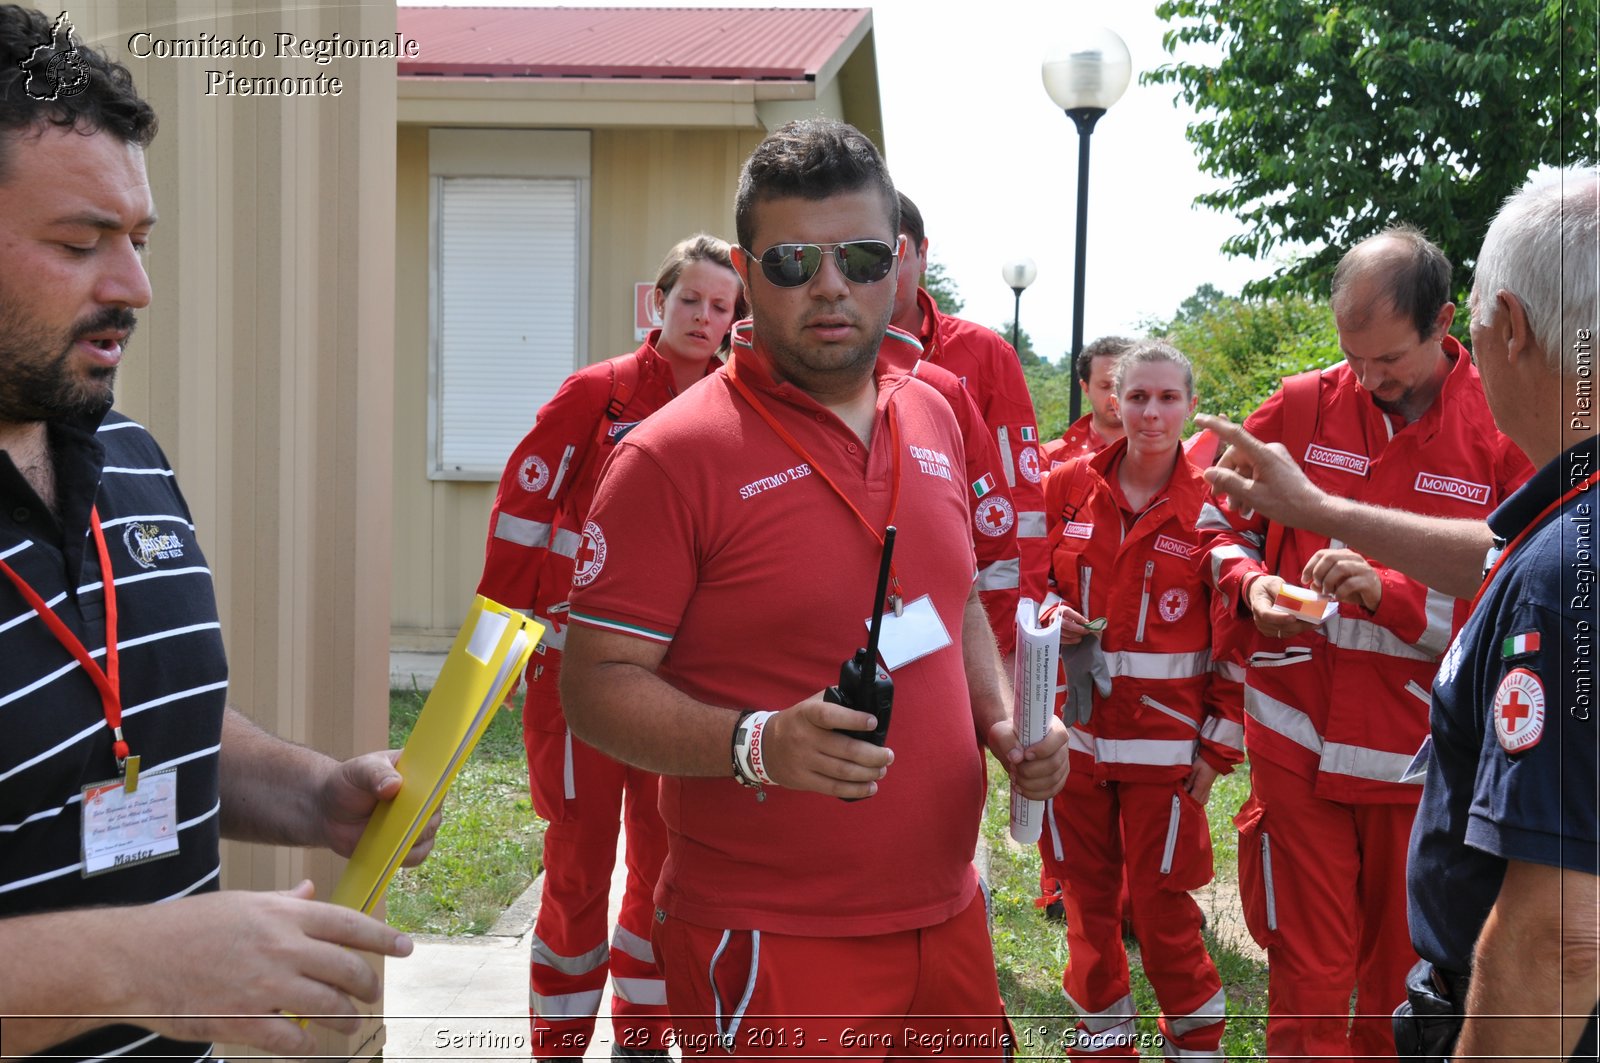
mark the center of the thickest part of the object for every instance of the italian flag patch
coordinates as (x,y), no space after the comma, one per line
(1030,434)
(983,486)
(1520,646)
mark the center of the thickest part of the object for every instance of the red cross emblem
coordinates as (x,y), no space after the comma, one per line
(1519,711)
(1516,711)
(590,556)
(994,517)
(586,551)
(1028,464)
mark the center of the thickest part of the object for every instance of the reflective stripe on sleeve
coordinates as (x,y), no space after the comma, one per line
(1354,633)
(1030,524)
(1228,553)
(566,542)
(520,530)
(1223,732)
(1441,610)
(1212,519)
(1000,575)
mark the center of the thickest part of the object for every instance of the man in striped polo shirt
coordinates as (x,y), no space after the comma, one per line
(121,765)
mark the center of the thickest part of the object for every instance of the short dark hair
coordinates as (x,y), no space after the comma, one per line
(1104,347)
(108,102)
(812,158)
(911,220)
(1415,275)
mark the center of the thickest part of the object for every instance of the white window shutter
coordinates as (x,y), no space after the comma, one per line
(508,298)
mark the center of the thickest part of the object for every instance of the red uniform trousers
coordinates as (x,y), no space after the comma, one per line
(742,994)
(586,796)
(1133,825)
(1052,857)
(1324,891)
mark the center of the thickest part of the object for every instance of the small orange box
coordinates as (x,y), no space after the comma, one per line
(1305,604)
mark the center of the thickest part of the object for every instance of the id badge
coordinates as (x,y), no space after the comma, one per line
(120,829)
(916,632)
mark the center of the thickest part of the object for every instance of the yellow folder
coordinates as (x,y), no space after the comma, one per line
(489,654)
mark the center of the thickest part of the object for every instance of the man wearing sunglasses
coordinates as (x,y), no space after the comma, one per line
(736,541)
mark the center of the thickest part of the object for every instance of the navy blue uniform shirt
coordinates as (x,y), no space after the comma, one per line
(1505,782)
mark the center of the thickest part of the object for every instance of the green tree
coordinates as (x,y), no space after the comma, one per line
(1205,298)
(1024,344)
(1242,348)
(937,283)
(1050,387)
(1329,120)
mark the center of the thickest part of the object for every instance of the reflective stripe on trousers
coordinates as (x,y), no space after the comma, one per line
(1101,1031)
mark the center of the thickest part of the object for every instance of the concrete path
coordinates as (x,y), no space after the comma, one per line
(466,998)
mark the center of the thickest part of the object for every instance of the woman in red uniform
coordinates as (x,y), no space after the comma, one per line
(538,546)
(1122,546)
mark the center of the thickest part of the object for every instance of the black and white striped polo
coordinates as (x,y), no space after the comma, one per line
(53,734)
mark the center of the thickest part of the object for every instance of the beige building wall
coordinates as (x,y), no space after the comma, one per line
(648,189)
(265,365)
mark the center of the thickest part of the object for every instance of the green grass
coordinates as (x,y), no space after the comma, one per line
(1031,953)
(490,843)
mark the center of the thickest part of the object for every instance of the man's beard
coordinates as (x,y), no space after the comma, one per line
(39,387)
(815,372)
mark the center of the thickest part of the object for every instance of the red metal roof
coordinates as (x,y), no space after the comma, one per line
(626,42)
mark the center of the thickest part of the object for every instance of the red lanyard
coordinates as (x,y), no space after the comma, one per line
(805,456)
(1588,482)
(108,680)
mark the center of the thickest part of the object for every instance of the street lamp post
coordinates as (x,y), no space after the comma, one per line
(1084,78)
(1018,274)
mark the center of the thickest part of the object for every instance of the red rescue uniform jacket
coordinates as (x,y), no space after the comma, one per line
(1079,439)
(994,514)
(1168,701)
(536,527)
(1346,703)
(992,373)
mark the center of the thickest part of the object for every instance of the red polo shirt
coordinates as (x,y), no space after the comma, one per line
(711,534)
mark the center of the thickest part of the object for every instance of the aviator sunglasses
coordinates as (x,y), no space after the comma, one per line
(861,261)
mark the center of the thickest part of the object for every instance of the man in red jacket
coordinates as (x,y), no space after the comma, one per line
(990,369)
(1336,709)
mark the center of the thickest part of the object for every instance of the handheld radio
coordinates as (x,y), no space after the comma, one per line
(860,686)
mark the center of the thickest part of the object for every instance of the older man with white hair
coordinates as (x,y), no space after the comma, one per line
(1505,850)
